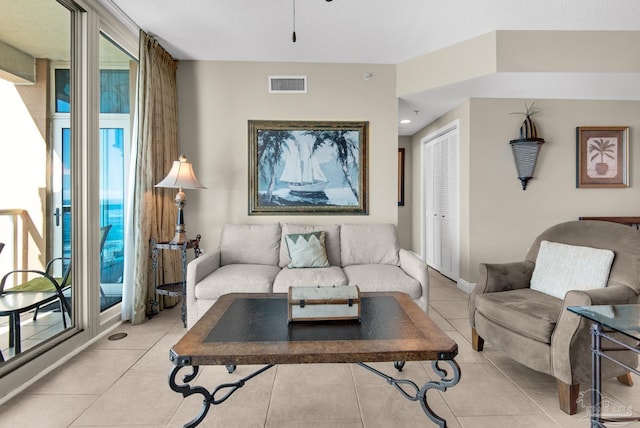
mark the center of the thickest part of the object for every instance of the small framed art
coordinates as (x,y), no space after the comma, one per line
(602,156)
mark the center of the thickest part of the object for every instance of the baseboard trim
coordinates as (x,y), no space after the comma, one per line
(465,286)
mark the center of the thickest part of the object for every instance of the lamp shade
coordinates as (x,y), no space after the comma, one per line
(181,176)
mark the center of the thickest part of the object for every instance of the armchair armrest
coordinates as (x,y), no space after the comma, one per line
(504,276)
(416,268)
(571,337)
(500,277)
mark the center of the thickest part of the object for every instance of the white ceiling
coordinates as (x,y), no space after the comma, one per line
(386,32)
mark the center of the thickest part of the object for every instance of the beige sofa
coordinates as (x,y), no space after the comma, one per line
(254,259)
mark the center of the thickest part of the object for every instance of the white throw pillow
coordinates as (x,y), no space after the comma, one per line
(561,268)
(307,250)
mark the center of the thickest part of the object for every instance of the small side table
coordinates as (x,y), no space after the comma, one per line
(608,319)
(174,289)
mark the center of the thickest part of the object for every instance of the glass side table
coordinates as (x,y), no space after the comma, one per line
(179,288)
(608,319)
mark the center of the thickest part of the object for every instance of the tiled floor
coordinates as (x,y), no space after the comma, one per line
(124,384)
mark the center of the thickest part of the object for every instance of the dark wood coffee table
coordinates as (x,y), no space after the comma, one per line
(244,328)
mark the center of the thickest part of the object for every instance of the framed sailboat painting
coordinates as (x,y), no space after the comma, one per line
(306,167)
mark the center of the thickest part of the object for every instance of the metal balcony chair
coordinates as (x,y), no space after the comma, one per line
(15,302)
(36,293)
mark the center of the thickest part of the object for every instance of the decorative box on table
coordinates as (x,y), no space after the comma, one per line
(326,303)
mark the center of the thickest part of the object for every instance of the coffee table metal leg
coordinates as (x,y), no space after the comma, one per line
(420,394)
(441,385)
(209,398)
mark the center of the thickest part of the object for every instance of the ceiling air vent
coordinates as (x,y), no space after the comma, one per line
(288,84)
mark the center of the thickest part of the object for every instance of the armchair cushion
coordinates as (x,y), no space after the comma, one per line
(523,311)
(40,283)
(561,268)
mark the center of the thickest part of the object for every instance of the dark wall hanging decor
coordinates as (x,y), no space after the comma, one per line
(526,148)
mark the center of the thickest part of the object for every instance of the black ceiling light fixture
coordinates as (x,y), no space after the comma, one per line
(293,36)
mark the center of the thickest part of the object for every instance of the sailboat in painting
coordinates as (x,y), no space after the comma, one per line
(302,171)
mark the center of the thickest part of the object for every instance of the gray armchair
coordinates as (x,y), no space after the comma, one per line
(535,329)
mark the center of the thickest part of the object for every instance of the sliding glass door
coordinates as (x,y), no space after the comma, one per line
(66,131)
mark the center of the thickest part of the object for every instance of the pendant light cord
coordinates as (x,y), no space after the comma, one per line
(293,37)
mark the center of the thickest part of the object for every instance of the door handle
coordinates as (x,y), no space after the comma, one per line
(56,214)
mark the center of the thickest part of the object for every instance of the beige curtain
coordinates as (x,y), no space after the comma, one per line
(154,210)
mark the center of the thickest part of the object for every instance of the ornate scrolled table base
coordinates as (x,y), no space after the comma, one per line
(209,398)
(420,394)
(402,385)
(251,328)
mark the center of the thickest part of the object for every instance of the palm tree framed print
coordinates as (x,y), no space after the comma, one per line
(308,167)
(602,156)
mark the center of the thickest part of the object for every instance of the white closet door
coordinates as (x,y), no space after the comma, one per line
(441,197)
(430,209)
(450,253)
(436,178)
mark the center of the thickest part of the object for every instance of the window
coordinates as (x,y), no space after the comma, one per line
(69,151)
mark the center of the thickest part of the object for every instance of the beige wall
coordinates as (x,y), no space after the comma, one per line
(463,61)
(216,99)
(521,51)
(498,219)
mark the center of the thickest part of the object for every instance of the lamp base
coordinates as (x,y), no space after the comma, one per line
(179,238)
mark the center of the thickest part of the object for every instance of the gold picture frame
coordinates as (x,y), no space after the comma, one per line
(308,167)
(602,158)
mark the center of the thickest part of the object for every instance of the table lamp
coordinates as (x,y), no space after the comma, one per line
(180,177)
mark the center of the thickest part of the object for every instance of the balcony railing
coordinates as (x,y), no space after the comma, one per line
(17,237)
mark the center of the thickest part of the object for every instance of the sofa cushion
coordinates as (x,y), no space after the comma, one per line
(250,243)
(524,311)
(307,250)
(332,240)
(237,278)
(369,244)
(382,278)
(332,275)
(561,268)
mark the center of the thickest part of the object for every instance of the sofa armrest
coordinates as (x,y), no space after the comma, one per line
(199,268)
(416,268)
(571,339)
(499,277)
